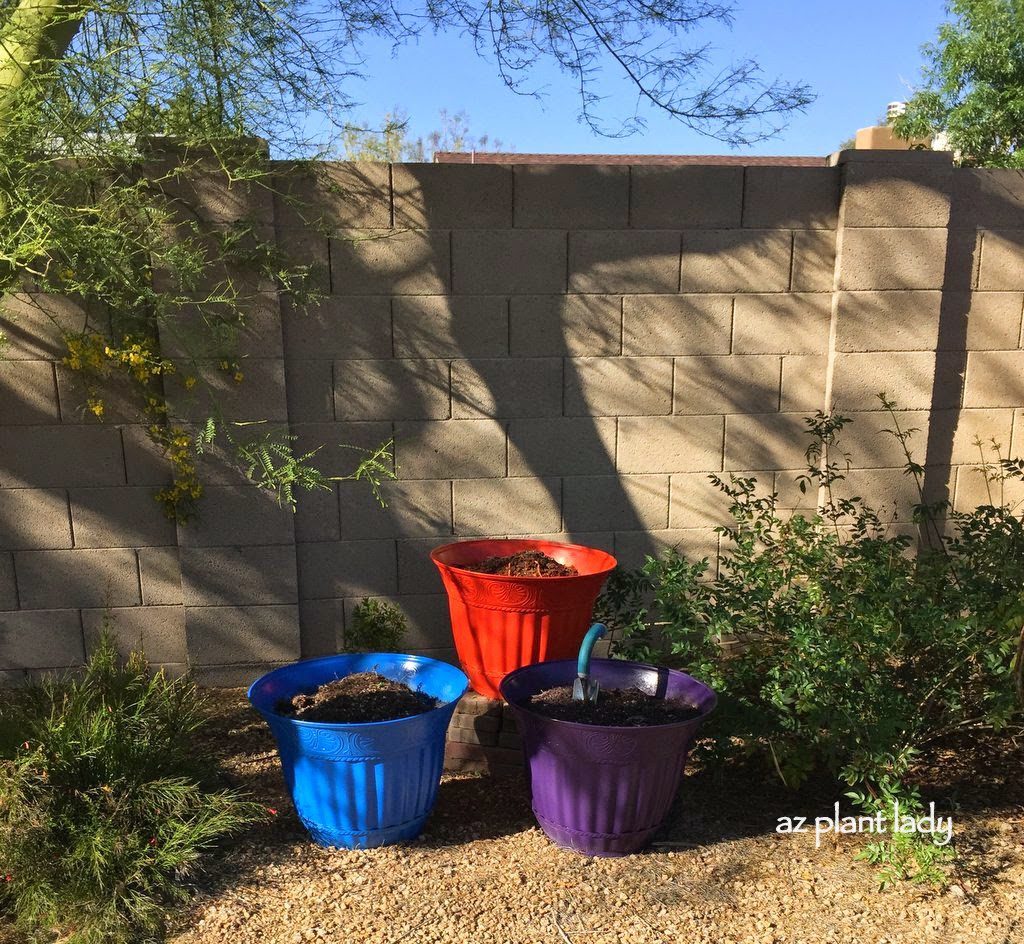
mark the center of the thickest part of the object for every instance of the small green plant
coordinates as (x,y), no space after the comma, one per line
(838,645)
(105,804)
(377,626)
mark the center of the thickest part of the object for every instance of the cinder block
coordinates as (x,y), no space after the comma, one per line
(258,397)
(633,261)
(310,390)
(632,548)
(322,625)
(765,441)
(618,386)
(906,377)
(897,195)
(119,517)
(803,383)
(120,398)
(790,323)
(257,331)
(226,635)
(219,576)
(472,703)
(888,491)
(508,262)
(8,584)
(577,325)
(416,571)
(340,447)
(507,387)
(888,321)
(472,736)
(669,443)
(1002,260)
(509,506)
(696,502)
(34,518)
(987,197)
(791,197)
(732,260)
(80,578)
(447,326)
(413,508)
(235,675)
(691,195)
(197,187)
(892,259)
(602,540)
(43,639)
(427,619)
(449,196)
(61,456)
(241,514)
(609,502)
(346,569)
(337,328)
(160,575)
(35,324)
(994,378)
(993,320)
(332,195)
(743,383)
(565,445)
(443,450)
(144,461)
(317,514)
(814,260)
(571,196)
(28,393)
(406,389)
(953,436)
(312,247)
(676,324)
(390,262)
(156,631)
(973,490)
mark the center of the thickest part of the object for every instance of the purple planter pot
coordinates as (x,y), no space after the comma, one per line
(604,790)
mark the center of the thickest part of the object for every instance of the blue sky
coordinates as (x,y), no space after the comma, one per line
(856,56)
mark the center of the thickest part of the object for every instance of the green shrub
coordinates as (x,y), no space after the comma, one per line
(833,646)
(104,803)
(376,626)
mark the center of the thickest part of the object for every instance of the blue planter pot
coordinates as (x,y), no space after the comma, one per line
(356,786)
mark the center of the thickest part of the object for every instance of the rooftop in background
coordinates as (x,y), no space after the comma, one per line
(510,157)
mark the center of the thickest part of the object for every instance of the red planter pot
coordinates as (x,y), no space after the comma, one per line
(502,623)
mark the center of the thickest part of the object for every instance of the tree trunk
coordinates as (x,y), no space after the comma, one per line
(35,34)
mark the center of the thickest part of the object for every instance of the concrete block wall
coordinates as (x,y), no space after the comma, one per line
(558,351)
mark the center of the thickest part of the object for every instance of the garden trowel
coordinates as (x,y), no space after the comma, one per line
(585,689)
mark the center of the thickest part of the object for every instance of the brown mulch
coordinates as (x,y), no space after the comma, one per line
(357,699)
(523,564)
(619,707)
(719,873)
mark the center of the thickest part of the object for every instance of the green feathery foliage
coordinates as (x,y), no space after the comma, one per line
(105,804)
(376,626)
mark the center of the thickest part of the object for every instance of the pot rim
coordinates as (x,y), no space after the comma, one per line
(508,578)
(578,726)
(360,725)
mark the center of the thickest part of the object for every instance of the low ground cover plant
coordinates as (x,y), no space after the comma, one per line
(839,643)
(105,805)
(375,626)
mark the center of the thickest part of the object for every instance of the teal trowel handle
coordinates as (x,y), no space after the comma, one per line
(587,647)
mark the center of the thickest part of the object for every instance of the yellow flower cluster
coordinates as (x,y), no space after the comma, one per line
(180,496)
(86,351)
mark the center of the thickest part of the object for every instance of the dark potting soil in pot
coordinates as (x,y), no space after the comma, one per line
(615,707)
(523,564)
(359,698)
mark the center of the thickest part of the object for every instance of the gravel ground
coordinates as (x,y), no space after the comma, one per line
(483,871)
